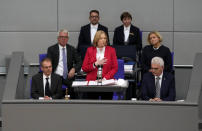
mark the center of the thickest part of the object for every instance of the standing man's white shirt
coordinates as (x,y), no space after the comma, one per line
(93,30)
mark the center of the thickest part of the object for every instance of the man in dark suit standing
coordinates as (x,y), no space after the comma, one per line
(88,31)
(158,85)
(46,85)
(127,34)
(65,59)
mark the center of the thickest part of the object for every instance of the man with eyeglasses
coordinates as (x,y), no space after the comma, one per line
(88,31)
(65,60)
(158,85)
(46,85)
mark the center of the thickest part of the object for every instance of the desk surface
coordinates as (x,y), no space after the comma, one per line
(100,88)
(128,69)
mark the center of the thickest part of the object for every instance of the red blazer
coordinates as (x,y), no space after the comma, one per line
(109,69)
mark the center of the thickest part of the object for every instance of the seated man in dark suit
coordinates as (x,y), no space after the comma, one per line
(88,31)
(158,85)
(46,85)
(127,34)
(65,59)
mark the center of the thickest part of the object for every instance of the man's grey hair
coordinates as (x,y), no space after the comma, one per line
(157,60)
(63,30)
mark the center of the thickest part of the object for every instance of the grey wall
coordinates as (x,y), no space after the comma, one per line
(182,81)
(31,26)
(2,81)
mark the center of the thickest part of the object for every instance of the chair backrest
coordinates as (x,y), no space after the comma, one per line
(41,57)
(30,82)
(126,52)
(141,34)
(172,55)
(120,73)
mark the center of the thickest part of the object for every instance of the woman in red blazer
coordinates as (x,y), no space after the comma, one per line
(100,54)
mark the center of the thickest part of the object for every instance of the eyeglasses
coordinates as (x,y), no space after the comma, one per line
(46,67)
(155,69)
(63,37)
(94,16)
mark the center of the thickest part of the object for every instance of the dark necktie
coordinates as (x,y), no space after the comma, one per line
(64,60)
(47,90)
(157,87)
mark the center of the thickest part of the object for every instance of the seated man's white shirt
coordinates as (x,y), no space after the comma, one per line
(44,84)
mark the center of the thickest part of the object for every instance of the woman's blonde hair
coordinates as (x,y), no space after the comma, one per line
(98,36)
(155,33)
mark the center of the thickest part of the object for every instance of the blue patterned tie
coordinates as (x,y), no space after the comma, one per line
(64,59)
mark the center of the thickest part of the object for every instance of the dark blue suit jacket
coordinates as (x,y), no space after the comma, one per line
(167,92)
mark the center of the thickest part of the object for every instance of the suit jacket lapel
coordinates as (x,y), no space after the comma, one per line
(41,85)
(52,83)
(163,83)
(153,84)
(122,33)
(106,54)
(88,33)
(99,27)
(68,50)
(131,32)
(57,54)
(94,53)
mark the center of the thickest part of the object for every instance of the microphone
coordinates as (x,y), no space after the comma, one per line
(99,75)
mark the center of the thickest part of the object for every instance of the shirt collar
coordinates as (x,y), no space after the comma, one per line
(61,47)
(93,26)
(159,76)
(44,76)
(98,49)
(156,48)
(126,28)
